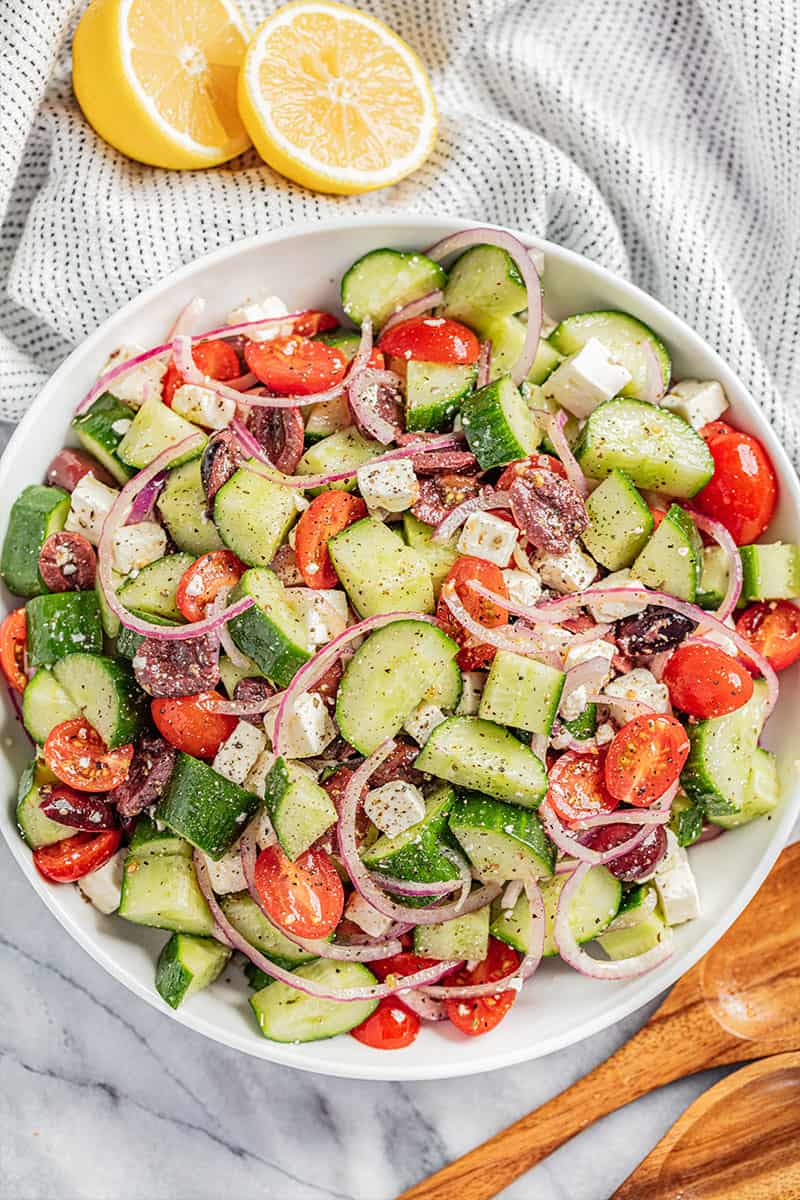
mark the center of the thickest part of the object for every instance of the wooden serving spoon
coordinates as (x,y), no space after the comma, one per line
(740,1138)
(740,1002)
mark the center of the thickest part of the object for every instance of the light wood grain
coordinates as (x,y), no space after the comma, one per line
(738,1003)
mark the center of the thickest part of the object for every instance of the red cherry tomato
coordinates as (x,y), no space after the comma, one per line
(203,581)
(391,1027)
(328,514)
(216,359)
(773,628)
(304,897)
(295,366)
(526,466)
(13,633)
(473,654)
(645,758)
(480,1015)
(658,515)
(576,788)
(76,856)
(704,681)
(714,428)
(190,725)
(400,964)
(77,755)
(313,321)
(743,490)
(431,339)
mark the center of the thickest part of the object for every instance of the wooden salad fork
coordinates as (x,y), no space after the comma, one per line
(740,1002)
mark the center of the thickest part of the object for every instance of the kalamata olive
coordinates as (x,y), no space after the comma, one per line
(548,510)
(438,462)
(284,564)
(67,562)
(79,810)
(69,467)
(149,774)
(440,495)
(167,669)
(328,685)
(281,433)
(220,460)
(637,864)
(253,690)
(397,765)
(652,631)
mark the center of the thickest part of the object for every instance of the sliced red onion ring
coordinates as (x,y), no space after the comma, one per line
(722,537)
(142,507)
(590,675)
(511,895)
(554,428)
(539,745)
(413,887)
(464,873)
(360,876)
(424,1006)
(567,841)
(116,517)
(653,388)
(530,276)
(243,383)
(632,708)
(589,635)
(187,317)
(504,637)
(231,937)
(517,977)
(312,671)
(362,391)
(414,308)
(484,364)
(241,708)
(226,641)
(577,957)
(456,518)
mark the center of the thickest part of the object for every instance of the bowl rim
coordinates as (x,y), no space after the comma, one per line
(648,986)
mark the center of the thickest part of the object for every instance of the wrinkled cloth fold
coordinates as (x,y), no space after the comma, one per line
(660,138)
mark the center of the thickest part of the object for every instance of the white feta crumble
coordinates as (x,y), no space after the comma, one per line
(261,308)
(309,728)
(604,733)
(226,874)
(322,611)
(103,887)
(489,537)
(135,546)
(698,401)
(605,611)
(522,587)
(391,485)
(640,685)
(394,806)
(239,753)
(566,573)
(472,684)
(89,505)
(203,406)
(586,379)
(585,651)
(676,884)
(573,703)
(423,721)
(136,385)
(361,913)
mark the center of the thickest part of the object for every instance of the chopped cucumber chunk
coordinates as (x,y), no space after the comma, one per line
(501,841)
(619,522)
(498,424)
(473,753)
(625,337)
(379,573)
(382,281)
(287,1015)
(671,560)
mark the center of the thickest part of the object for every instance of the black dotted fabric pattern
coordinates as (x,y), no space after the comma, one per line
(660,138)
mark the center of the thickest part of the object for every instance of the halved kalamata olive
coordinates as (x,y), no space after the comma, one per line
(397,765)
(79,810)
(652,631)
(149,774)
(437,462)
(281,433)
(637,864)
(253,690)
(170,669)
(220,460)
(284,564)
(67,562)
(69,467)
(327,685)
(440,495)
(548,510)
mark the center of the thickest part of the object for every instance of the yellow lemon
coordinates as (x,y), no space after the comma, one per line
(334,99)
(157,78)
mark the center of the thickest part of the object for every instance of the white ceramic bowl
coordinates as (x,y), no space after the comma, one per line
(304,265)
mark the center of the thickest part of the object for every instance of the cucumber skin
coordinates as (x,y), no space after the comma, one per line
(153,590)
(261,634)
(564,339)
(129,709)
(248,920)
(202,806)
(182,505)
(38,511)
(323,1018)
(428,278)
(437,409)
(60,623)
(174,978)
(770,572)
(34,827)
(94,430)
(419,857)
(148,840)
(521,826)
(610,539)
(300,810)
(678,525)
(718,787)
(489,435)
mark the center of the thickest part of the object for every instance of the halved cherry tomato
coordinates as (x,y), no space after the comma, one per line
(480,1015)
(391,1027)
(773,628)
(304,897)
(645,758)
(190,725)
(473,654)
(431,339)
(576,788)
(13,633)
(328,514)
(704,681)
(313,321)
(743,490)
(77,755)
(295,366)
(525,466)
(658,515)
(400,964)
(714,428)
(203,581)
(76,856)
(216,359)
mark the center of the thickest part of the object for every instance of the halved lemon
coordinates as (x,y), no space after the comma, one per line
(334,99)
(157,78)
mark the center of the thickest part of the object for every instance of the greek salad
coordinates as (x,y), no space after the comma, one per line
(397,650)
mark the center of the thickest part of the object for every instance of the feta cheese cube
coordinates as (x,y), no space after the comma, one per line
(584,652)
(639,684)
(522,587)
(423,721)
(226,874)
(489,537)
(394,806)
(472,684)
(604,733)
(137,545)
(604,611)
(103,887)
(676,884)
(239,753)
(573,703)
(697,401)
(725,643)
(261,308)
(361,913)
(136,385)
(323,613)
(586,379)
(257,775)
(392,486)
(309,728)
(90,504)
(203,406)
(566,573)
